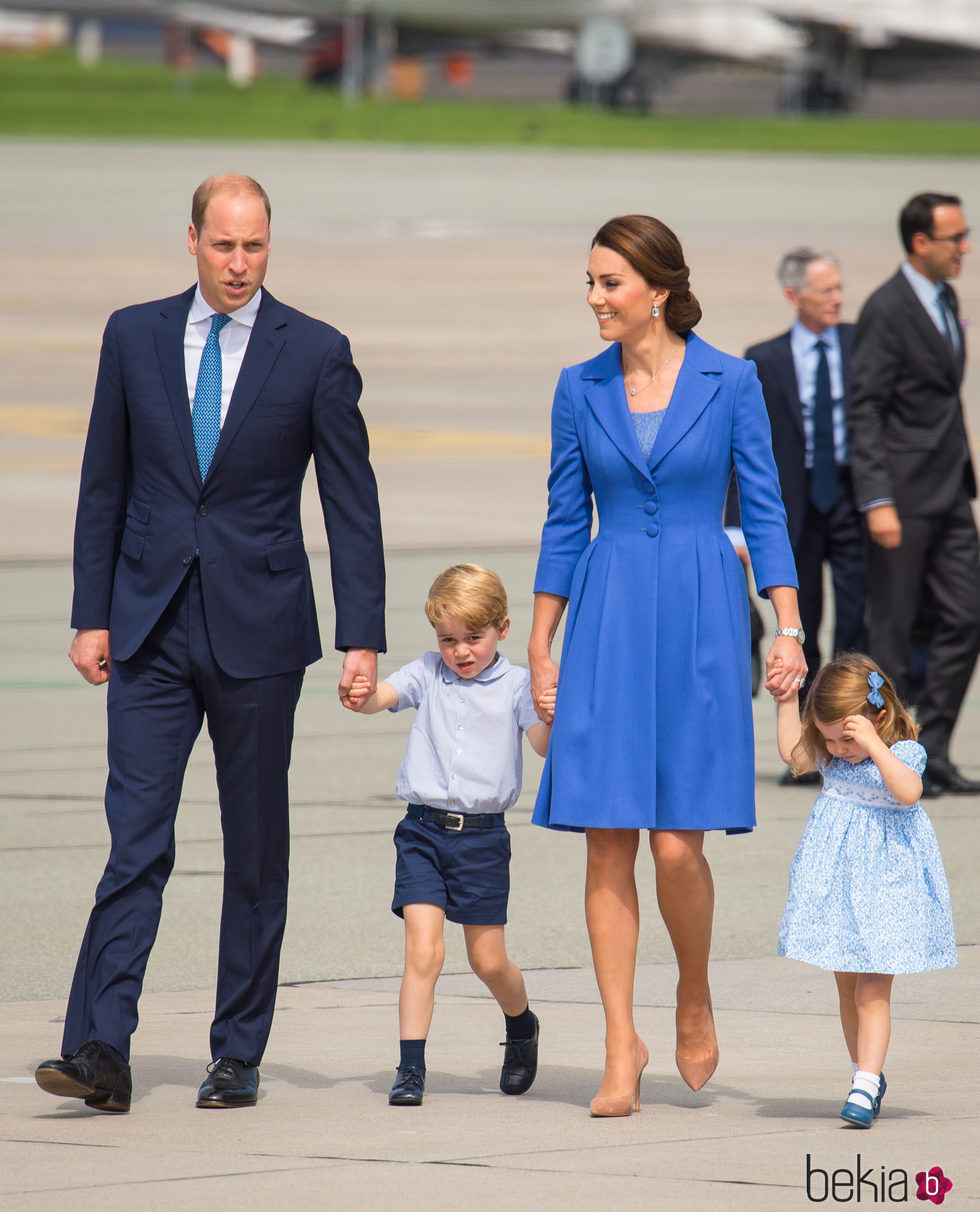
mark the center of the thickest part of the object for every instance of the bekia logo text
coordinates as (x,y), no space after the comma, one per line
(873,1186)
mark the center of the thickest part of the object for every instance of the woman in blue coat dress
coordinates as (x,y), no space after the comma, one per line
(653,719)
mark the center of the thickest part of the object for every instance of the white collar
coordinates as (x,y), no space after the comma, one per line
(202,310)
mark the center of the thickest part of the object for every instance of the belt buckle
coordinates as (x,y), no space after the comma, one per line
(458,817)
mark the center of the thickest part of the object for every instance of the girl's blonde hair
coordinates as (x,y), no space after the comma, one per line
(474,595)
(841,689)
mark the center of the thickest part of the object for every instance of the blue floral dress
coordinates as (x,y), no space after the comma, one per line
(867,889)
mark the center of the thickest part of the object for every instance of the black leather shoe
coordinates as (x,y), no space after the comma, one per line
(942,777)
(520,1062)
(408,1087)
(229,1083)
(94,1072)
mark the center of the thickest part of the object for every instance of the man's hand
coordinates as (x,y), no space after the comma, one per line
(358,663)
(884,526)
(89,653)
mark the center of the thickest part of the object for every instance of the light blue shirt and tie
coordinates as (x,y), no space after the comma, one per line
(804,346)
(932,296)
(804,343)
(233,343)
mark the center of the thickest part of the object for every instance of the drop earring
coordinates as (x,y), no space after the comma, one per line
(655,310)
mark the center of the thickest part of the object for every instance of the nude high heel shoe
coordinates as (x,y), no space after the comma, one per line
(622,1104)
(697,1070)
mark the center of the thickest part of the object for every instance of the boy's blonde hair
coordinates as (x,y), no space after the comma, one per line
(474,595)
(841,689)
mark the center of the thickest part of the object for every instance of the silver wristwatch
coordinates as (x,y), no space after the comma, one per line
(795,633)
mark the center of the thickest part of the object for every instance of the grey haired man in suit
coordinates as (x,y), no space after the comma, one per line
(914,477)
(805,375)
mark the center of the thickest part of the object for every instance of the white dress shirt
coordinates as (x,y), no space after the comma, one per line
(233,340)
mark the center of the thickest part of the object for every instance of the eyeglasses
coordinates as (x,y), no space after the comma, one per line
(961,237)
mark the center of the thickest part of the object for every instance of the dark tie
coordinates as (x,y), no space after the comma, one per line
(943,298)
(823,475)
(206,413)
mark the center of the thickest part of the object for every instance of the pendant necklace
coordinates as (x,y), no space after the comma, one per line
(653,378)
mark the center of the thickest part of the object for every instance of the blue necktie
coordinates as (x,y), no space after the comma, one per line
(206,414)
(823,474)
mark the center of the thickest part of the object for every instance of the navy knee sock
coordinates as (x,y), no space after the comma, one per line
(520,1026)
(412,1053)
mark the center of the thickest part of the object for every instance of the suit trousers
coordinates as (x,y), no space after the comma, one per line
(939,556)
(157,701)
(835,538)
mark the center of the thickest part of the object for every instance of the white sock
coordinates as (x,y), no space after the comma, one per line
(854,1069)
(865,1087)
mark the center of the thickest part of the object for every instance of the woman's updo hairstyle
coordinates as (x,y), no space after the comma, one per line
(653,250)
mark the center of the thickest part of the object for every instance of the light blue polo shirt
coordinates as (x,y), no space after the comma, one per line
(464,752)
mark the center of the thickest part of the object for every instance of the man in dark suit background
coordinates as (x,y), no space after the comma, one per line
(193,598)
(805,377)
(914,477)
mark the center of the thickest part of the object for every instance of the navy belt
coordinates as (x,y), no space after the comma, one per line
(455,822)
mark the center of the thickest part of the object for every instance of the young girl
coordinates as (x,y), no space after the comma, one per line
(867,891)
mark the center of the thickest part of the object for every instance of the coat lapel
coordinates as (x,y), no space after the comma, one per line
(845,334)
(607,399)
(168,336)
(696,386)
(927,331)
(264,345)
(790,388)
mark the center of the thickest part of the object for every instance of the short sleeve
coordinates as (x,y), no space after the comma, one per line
(412,681)
(911,754)
(524,711)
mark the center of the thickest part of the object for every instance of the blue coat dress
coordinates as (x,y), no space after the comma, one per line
(653,723)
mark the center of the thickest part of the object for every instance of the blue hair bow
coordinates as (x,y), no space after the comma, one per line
(875,681)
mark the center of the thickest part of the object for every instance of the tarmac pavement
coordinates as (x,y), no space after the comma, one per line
(458,277)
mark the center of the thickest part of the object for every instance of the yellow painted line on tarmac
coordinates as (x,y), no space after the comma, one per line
(389,443)
(43,421)
(41,463)
(394,444)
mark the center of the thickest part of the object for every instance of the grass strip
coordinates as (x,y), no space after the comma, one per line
(50,94)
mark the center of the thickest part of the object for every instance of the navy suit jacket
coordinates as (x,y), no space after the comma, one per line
(777,374)
(143,511)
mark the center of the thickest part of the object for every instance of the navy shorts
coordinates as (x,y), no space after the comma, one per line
(467,873)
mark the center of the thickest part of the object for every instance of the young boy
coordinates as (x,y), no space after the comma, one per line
(460,773)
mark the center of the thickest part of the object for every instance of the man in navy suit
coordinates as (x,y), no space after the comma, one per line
(193,598)
(806,390)
(914,476)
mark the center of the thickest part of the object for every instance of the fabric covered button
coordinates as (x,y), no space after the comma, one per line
(653,530)
(651,507)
